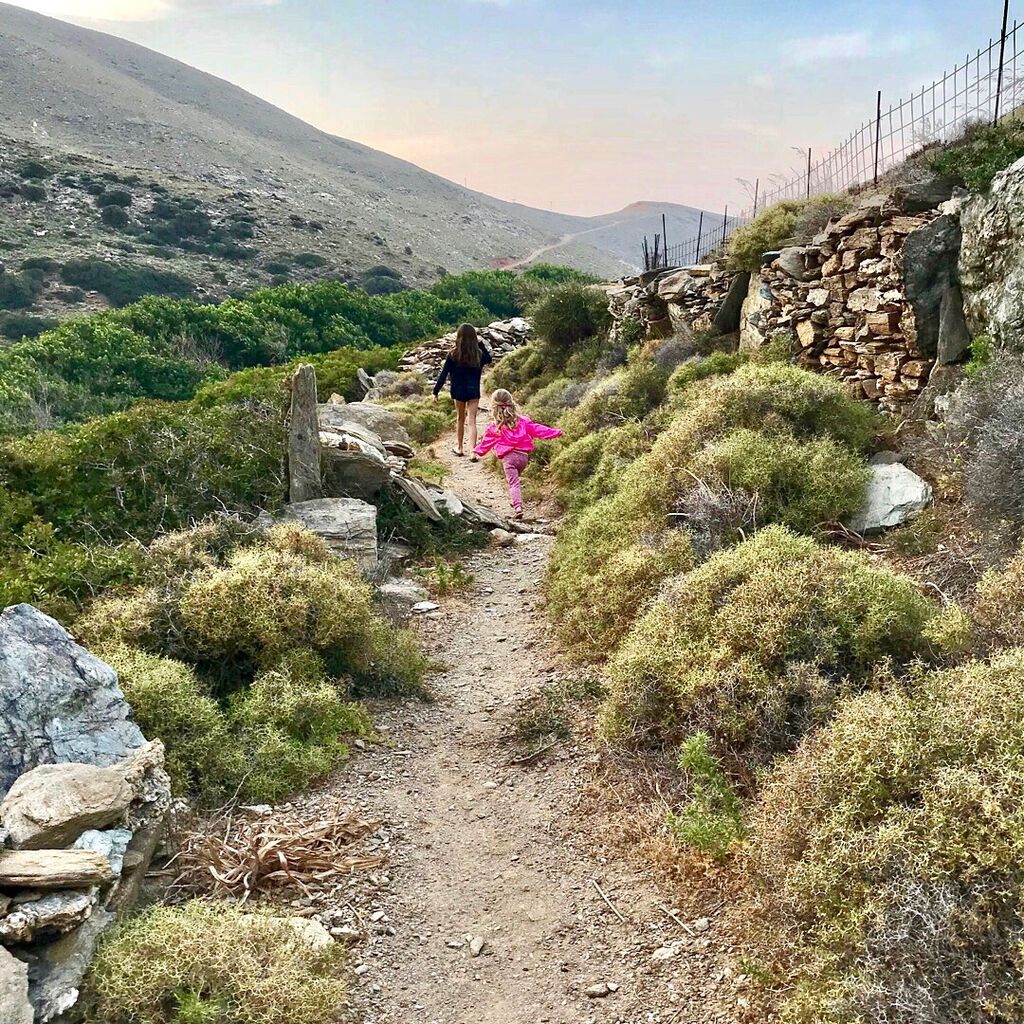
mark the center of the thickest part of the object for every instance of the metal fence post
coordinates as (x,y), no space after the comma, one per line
(808,172)
(1002,57)
(878,133)
(700,231)
(757,185)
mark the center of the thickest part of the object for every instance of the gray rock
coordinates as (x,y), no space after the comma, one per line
(14,1005)
(348,525)
(792,262)
(398,596)
(53,914)
(931,257)
(58,702)
(419,496)
(894,494)
(728,317)
(382,422)
(55,971)
(112,843)
(53,869)
(352,473)
(52,805)
(922,196)
(304,483)
(992,259)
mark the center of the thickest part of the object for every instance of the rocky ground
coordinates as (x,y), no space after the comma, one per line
(496,906)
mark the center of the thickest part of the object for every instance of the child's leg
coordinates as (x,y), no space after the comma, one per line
(514,463)
(460,424)
(472,407)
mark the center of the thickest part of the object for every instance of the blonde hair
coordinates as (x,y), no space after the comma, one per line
(504,410)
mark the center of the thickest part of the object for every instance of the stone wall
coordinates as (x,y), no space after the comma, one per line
(850,303)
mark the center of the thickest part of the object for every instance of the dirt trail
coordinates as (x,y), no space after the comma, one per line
(564,240)
(486,848)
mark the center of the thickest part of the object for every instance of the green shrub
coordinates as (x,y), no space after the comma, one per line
(891,849)
(35,170)
(494,290)
(115,217)
(24,325)
(381,280)
(102,478)
(55,575)
(423,418)
(309,260)
(115,197)
(981,152)
(206,962)
(712,821)
(757,645)
(776,225)
(123,283)
(718,364)
(44,263)
(570,316)
(589,469)
(19,291)
(291,722)
(652,493)
(33,193)
(1000,602)
(169,702)
(804,485)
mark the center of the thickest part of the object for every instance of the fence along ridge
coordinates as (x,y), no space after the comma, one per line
(936,113)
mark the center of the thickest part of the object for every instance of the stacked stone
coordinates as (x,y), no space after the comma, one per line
(665,300)
(844,300)
(83,798)
(501,337)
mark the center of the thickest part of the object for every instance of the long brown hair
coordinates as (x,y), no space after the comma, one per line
(467,346)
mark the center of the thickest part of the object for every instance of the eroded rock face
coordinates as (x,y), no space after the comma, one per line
(53,914)
(351,473)
(894,495)
(992,259)
(58,702)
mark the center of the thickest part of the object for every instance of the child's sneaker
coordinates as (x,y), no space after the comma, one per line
(517,514)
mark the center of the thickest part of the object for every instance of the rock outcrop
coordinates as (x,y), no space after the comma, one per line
(992,259)
(58,702)
(84,798)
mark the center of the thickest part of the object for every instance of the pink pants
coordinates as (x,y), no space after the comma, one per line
(514,463)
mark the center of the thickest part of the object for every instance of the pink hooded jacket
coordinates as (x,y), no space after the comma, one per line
(517,439)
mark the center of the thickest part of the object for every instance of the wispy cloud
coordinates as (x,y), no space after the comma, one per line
(133,10)
(662,60)
(843,46)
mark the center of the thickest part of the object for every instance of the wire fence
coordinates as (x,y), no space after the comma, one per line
(985,87)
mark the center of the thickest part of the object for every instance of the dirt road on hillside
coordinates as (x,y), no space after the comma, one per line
(484,849)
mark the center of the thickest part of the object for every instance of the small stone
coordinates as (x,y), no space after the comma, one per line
(599,990)
(420,607)
(476,945)
(702,924)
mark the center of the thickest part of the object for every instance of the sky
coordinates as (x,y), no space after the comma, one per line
(581,106)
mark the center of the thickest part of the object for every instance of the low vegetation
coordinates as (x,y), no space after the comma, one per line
(207,962)
(244,651)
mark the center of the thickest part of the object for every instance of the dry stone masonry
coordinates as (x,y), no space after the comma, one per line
(874,300)
(83,799)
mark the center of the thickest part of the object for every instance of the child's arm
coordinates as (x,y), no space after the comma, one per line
(538,430)
(488,441)
(445,370)
(485,356)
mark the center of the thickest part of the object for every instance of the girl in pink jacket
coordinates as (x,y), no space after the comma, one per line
(510,435)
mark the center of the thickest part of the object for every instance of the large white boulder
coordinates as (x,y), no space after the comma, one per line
(894,494)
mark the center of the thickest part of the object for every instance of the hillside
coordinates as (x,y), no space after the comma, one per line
(75,95)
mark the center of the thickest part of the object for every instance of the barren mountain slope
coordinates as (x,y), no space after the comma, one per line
(82,91)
